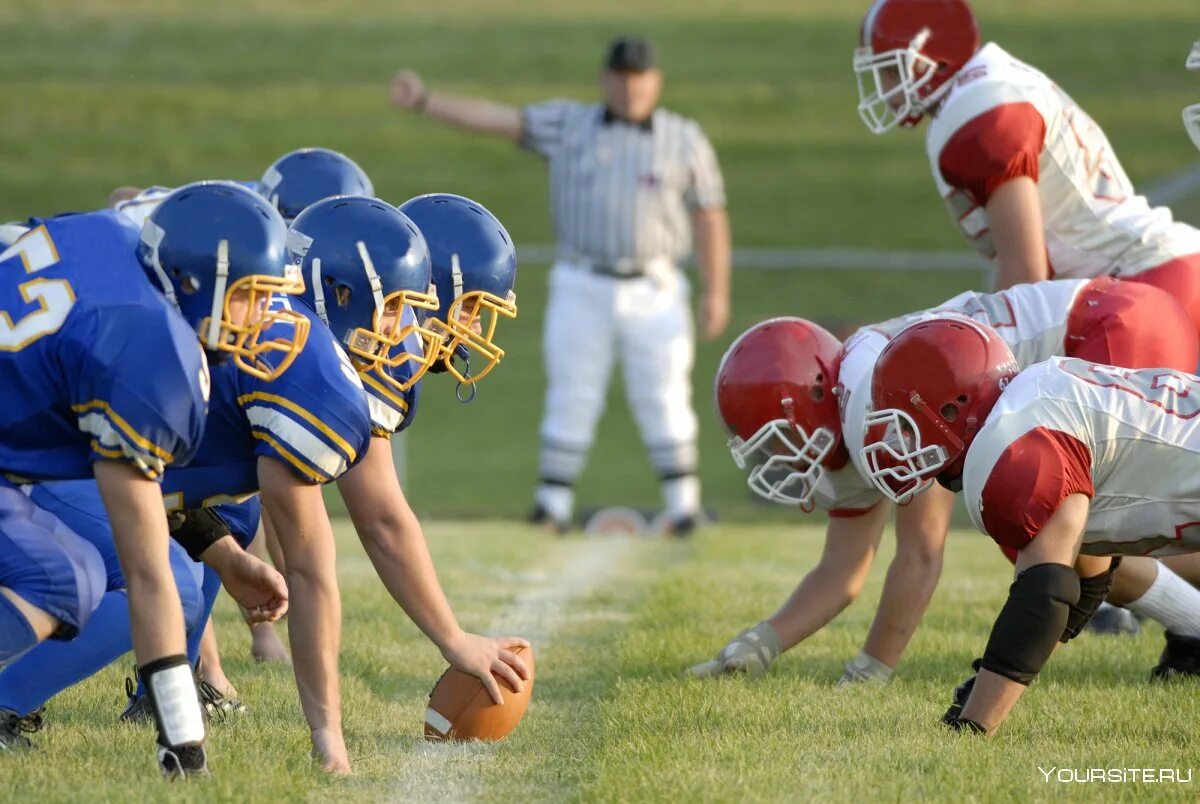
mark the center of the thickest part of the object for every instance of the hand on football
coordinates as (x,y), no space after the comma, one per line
(482,656)
(407,89)
(750,653)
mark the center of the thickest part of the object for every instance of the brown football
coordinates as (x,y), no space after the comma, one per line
(461,709)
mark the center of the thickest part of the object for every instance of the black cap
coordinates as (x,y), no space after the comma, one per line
(629,54)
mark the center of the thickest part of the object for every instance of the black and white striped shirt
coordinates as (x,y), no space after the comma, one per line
(622,193)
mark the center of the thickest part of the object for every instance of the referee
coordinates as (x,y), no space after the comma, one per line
(629,184)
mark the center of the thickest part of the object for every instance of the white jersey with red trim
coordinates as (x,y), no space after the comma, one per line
(1128,439)
(1031,318)
(1002,119)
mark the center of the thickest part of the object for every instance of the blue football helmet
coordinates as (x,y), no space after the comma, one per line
(474,270)
(218,251)
(365,261)
(309,175)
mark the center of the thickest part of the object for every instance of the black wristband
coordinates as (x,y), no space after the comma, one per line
(197,529)
(422,102)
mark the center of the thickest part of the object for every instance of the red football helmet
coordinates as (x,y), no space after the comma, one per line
(908,52)
(933,387)
(775,392)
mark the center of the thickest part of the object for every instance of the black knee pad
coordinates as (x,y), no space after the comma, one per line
(1033,619)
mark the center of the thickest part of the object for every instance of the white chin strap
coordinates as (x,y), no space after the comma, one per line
(372,278)
(456,277)
(318,291)
(212,338)
(152,236)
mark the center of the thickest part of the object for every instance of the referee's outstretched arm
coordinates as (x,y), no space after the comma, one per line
(473,114)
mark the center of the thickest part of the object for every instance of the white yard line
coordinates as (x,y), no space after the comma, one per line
(453,771)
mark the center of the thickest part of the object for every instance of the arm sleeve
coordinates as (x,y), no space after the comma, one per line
(1003,143)
(706,187)
(1030,480)
(313,418)
(542,126)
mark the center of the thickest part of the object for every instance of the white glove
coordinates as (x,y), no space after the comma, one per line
(865,667)
(749,653)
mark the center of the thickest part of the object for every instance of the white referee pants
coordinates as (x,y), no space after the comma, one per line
(591,320)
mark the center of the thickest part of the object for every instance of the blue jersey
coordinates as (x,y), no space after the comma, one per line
(313,418)
(393,410)
(94,363)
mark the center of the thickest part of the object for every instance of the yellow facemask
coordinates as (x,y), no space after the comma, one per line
(242,335)
(471,323)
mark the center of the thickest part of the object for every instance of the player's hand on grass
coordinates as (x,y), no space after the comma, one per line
(407,89)
(329,750)
(865,668)
(750,653)
(961,693)
(257,587)
(482,656)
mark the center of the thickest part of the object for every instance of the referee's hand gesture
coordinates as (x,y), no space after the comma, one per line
(407,89)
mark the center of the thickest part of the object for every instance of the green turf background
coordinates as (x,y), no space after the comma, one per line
(102,93)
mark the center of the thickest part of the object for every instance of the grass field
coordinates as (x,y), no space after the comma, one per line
(614,622)
(100,93)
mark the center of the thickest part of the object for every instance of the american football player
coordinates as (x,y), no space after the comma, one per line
(107,382)
(795,401)
(473,257)
(365,262)
(291,183)
(1068,462)
(1029,177)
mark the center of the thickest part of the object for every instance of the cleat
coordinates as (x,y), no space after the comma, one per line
(182,762)
(14,727)
(218,706)
(138,708)
(540,516)
(1111,620)
(682,527)
(1180,657)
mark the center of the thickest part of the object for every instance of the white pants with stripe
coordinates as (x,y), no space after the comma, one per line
(646,322)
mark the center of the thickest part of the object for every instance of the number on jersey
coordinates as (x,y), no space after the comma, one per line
(53,297)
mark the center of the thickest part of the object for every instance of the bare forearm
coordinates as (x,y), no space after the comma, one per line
(820,597)
(139,526)
(473,114)
(401,558)
(713,249)
(1015,218)
(907,591)
(315,634)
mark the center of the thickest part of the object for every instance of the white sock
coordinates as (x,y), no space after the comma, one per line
(681,496)
(558,501)
(1172,602)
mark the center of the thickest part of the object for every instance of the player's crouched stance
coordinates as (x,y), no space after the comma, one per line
(108,377)
(1068,462)
(355,252)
